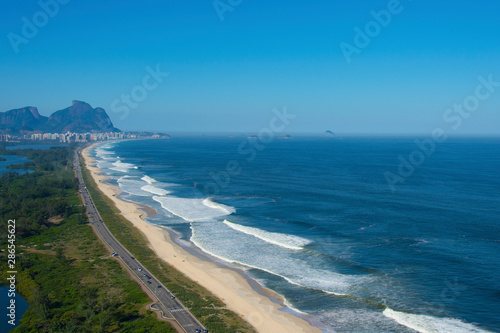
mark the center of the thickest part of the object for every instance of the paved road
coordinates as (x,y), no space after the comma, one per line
(171,307)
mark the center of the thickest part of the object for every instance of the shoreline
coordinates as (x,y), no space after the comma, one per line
(234,288)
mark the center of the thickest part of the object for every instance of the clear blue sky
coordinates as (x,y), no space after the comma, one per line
(229,75)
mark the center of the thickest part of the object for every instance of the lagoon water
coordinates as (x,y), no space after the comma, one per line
(315,220)
(21,307)
(13,159)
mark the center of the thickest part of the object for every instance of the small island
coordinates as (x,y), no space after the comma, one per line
(329,134)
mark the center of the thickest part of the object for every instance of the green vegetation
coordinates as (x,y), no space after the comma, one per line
(34,198)
(70,281)
(42,160)
(66,274)
(210,310)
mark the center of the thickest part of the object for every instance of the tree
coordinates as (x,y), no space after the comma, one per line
(59,253)
(40,304)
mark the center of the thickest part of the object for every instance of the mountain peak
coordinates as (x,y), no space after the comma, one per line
(75,103)
(80,106)
(80,117)
(26,118)
(34,112)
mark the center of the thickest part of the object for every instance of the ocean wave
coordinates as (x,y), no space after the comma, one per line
(430,324)
(227,210)
(284,240)
(148,179)
(155,190)
(192,210)
(121,166)
(104,165)
(103,151)
(296,267)
(357,319)
(132,186)
(290,306)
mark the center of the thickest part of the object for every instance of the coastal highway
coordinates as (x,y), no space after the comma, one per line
(170,306)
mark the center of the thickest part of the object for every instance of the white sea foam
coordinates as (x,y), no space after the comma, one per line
(133,186)
(430,324)
(104,165)
(155,190)
(356,320)
(194,209)
(121,166)
(104,158)
(290,306)
(227,210)
(228,244)
(148,179)
(284,240)
(103,152)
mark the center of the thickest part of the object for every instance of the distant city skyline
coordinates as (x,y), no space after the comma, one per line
(383,67)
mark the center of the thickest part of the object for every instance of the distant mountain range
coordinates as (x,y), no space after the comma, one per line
(79,118)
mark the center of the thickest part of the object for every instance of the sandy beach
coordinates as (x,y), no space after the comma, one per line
(239,296)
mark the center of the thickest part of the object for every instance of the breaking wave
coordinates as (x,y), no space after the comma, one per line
(430,324)
(284,240)
(192,210)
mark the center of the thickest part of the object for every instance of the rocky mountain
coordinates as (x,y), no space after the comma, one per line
(26,118)
(79,117)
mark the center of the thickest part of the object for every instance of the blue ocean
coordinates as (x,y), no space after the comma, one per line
(321,222)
